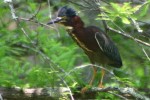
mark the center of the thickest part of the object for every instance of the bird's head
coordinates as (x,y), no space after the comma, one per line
(64,16)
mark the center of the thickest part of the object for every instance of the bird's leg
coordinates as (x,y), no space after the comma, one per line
(93,77)
(100,85)
(91,81)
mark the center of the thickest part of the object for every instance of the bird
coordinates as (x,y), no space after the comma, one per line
(96,44)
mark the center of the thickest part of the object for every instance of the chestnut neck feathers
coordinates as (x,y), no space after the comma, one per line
(76,23)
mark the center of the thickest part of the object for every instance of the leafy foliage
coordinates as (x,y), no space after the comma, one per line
(124,11)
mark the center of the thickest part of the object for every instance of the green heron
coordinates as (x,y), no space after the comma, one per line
(95,43)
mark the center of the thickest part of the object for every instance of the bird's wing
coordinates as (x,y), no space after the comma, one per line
(108,47)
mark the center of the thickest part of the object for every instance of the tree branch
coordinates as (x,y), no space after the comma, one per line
(54,93)
(129,36)
(34,93)
(125,91)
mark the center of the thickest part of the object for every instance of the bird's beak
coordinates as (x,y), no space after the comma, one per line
(57,20)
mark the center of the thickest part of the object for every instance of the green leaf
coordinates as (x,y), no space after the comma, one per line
(144,10)
(115,6)
(125,20)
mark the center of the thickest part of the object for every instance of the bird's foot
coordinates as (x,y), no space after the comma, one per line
(101,86)
(85,89)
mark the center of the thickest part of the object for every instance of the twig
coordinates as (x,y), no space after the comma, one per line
(34,15)
(86,65)
(145,53)
(120,96)
(11,8)
(1,98)
(129,36)
(31,20)
(136,25)
(50,15)
(104,22)
(87,2)
(77,4)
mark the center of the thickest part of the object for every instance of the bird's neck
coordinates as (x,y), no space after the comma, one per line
(77,23)
(76,26)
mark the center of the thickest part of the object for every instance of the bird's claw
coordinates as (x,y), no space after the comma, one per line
(101,86)
(84,90)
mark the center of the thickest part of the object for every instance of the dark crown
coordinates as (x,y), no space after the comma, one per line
(65,11)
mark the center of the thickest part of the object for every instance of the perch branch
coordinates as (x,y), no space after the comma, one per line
(127,90)
(33,93)
(61,92)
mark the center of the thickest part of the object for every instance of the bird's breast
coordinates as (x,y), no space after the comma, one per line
(79,40)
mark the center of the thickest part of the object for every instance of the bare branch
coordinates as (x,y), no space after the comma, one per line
(118,95)
(11,8)
(34,21)
(145,53)
(50,15)
(129,36)
(34,15)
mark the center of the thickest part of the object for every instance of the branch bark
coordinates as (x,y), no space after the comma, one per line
(34,93)
(126,92)
(63,92)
